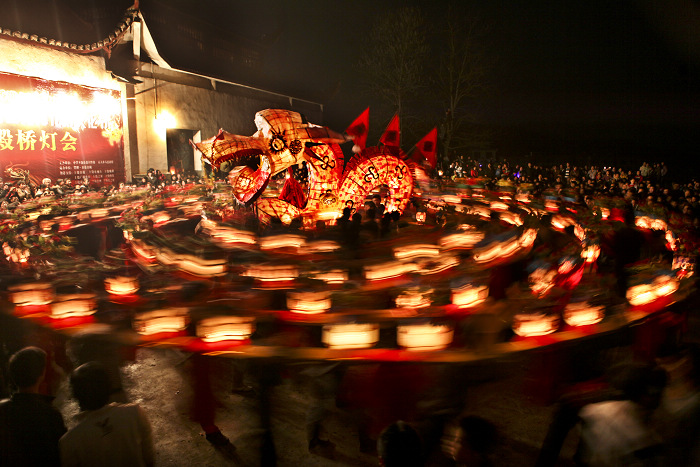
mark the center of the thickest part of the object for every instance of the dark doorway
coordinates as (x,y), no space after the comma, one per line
(180,153)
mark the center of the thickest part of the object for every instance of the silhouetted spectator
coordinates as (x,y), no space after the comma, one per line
(400,445)
(30,426)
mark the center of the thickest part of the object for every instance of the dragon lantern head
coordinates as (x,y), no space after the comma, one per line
(279,143)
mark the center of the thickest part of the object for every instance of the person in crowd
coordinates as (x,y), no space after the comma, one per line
(106,434)
(471,442)
(620,432)
(30,427)
(400,445)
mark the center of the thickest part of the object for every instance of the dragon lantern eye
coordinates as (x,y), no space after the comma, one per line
(277,144)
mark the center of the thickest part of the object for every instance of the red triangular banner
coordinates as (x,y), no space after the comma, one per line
(392,134)
(359,128)
(428,147)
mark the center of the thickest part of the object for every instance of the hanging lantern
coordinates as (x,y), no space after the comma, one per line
(424,337)
(583,313)
(420,217)
(541,279)
(225,328)
(350,336)
(73,305)
(642,222)
(121,285)
(166,320)
(535,324)
(309,302)
(415,297)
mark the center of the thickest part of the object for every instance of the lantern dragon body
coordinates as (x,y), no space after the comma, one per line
(285,139)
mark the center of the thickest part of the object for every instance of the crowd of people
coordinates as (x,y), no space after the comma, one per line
(113,433)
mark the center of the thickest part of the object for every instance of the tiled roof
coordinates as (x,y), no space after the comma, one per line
(130,15)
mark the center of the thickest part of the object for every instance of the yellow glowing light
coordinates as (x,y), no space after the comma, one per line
(415,297)
(309,302)
(350,336)
(66,306)
(163,320)
(121,285)
(469,295)
(60,110)
(424,337)
(583,314)
(225,328)
(163,121)
(415,250)
(34,293)
(388,270)
(535,324)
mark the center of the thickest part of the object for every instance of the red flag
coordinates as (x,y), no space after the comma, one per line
(359,128)
(428,147)
(392,134)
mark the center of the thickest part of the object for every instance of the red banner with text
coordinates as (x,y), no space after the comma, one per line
(59,130)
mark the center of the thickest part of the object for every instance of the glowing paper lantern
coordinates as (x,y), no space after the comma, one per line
(350,336)
(387,270)
(225,328)
(166,320)
(333,276)
(202,267)
(468,295)
(415,297)
(424,337)
(31,294)
(441,263)
(73,305)
(415,250)
(122,285)
(272,274)
(661,286)
(541,279)
(461,240)
(420,217)
(535,324)
(319,246)
(284,241)
(309,302)
(590,252)
(583,314)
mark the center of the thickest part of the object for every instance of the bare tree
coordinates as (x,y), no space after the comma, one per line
(462,78)
(395,58)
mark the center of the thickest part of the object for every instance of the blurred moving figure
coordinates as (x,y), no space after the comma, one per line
(400,445)
(106,434)
(620,432)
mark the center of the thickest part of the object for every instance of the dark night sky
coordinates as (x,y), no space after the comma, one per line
(586,79)
(593,79)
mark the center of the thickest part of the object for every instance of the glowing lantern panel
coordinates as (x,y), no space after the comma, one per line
(424,337)
(350,336)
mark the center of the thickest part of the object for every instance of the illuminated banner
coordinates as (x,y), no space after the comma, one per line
(59,130)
